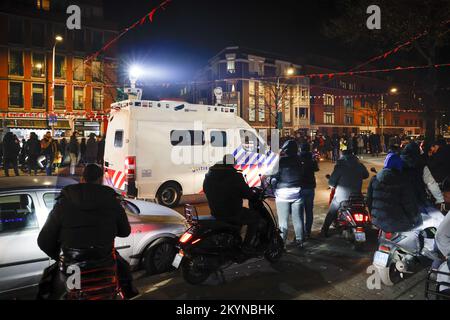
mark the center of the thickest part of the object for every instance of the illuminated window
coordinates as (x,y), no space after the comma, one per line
(261,103)
(78,98)
(78,69)
(97,99)
(328,117)
(231,63)
(43,4)
(38,65)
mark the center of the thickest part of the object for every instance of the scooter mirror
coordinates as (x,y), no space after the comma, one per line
(327,176)
(373,170)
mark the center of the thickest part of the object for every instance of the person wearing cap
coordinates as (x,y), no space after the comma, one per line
(86,218)
(390,198)
(347,178)
(225,189)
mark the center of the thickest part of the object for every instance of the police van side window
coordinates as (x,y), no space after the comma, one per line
(218,138)
(118,139)
(249,141)
(187,138)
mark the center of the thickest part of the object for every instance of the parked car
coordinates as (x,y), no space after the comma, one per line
(25,203)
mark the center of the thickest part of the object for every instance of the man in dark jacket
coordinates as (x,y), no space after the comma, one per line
(48,149)
(33,150)
(11,149)
(347,178)
(390,198)
(439,160)
(225,189)
(86,216)
(307,185)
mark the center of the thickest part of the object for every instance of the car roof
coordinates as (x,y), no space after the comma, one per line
(36,182)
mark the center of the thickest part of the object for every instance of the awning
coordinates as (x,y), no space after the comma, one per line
(36,124)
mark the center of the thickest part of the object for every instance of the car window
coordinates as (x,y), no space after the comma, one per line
(130,208)
(187,138)
(250,141)
(218,138)
(17,213)
(50,199)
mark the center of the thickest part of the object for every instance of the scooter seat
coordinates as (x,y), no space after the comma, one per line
(213,223)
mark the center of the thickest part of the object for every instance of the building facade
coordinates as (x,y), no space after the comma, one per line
(83,91)
(255,84)
(259,85)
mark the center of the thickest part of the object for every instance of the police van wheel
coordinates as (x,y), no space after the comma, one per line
(169,195)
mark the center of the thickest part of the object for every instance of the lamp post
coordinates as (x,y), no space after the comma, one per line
(392,91)
(279,95)
(58,38)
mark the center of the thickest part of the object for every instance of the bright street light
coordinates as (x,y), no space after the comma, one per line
(290,71)
(59,38)
(135,72)
(393,90)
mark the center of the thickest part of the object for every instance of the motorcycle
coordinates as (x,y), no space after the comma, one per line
(400,252)
(209,246)
(353,219)
(437,285)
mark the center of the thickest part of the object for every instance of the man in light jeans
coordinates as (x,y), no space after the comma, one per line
(285,208)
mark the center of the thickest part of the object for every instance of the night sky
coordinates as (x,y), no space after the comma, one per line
(195,30)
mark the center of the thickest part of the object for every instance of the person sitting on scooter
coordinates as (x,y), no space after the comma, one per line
(390,198)
(420,177)
(225,189)
(85,220)
(347,178)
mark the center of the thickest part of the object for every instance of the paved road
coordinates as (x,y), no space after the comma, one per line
(324,269)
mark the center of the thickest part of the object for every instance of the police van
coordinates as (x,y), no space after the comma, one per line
(160,150)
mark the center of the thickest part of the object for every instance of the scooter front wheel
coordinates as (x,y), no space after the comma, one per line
(192,274)
(389,275)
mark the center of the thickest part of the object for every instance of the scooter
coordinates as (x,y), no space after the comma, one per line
(399,253)
(209,246)
(353,219)
(437,285)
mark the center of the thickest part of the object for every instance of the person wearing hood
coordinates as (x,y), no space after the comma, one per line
(346,178)
(87,216)
(390,198)
(225,189)
(287,192)
(33,150)
(439,160)
(91,149)
(420,177)
(11,149)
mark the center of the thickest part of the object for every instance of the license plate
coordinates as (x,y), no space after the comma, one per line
(176,262)
(360,236)
(381,258)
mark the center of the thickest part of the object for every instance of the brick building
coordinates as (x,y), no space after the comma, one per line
(249,78)
(83,91)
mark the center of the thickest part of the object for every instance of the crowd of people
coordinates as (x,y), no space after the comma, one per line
(49,153)
(332,147)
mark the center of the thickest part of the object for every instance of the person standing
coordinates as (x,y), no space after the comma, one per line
(91,149)
(307,185)
(101,150)
(48,150)
(11,149)
(63,150)
(287,193)
(74,150)
(33,150)
(83,151)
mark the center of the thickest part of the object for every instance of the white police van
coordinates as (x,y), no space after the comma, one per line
(159,150)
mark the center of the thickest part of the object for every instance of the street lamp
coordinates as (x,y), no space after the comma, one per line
(58,38)
(392,90)
(279,94)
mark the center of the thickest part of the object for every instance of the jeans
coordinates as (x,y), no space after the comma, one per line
(284,210)
(306,211)
(48,165)
(331,215)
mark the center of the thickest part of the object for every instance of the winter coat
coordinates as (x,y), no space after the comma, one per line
(308,166)
(91,149)
(74,147)
(443,236)
(33,148)
(347,177)
(439,164)
(11,148)
(225,188)
(48,147)
(85,215)
(391,202)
